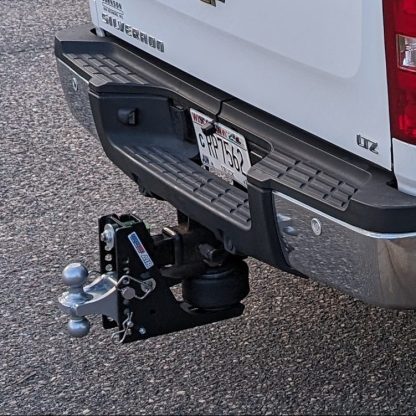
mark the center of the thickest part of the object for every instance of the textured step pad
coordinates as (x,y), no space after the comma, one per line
(105,68)
(192,179)
(302,176)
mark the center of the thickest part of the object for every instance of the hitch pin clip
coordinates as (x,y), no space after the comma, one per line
(127,326)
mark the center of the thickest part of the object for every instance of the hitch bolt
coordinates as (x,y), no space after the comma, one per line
(142,330)
(128,293)
(125,280)
(108,237)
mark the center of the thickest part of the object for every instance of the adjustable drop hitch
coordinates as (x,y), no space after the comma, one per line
(133,289)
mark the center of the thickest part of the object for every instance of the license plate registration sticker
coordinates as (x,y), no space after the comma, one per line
(223,150)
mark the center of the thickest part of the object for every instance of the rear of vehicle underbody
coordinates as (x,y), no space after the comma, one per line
(284,197)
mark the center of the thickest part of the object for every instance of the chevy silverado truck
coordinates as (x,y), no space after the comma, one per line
(283,130)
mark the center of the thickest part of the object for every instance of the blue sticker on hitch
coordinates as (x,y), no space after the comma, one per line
(141,251)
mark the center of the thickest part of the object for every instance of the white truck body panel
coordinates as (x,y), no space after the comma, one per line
(319,64)
(404,158)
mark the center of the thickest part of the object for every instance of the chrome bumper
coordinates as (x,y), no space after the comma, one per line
(76,93)
(375,268)
(379,269)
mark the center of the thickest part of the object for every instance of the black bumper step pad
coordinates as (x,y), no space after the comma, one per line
(301,176)
(105,68)
(188,178)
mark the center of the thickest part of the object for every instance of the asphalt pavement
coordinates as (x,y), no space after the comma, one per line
(300,348)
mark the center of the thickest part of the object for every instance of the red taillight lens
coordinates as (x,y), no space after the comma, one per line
(400,33)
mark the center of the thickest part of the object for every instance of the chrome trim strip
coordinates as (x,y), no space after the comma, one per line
(382,236)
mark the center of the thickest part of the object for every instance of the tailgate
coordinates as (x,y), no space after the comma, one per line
(300,60)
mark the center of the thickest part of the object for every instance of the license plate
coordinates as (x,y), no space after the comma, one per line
(224,151)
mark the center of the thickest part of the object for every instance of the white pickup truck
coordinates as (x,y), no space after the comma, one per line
(284,130)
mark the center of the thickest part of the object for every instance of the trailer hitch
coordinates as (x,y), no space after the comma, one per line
(133,289)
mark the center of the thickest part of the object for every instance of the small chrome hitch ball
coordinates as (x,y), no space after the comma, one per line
(78,328)
(75,275)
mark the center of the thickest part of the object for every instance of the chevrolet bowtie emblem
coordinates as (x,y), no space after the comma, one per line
(212,2)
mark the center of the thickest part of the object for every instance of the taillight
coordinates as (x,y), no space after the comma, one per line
(400,34)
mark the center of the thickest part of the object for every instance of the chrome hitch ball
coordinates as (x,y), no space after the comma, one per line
(100,297)
(75,276)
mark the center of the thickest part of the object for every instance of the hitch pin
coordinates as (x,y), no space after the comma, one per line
(127,325)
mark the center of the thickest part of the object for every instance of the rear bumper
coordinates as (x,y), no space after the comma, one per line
(363,238)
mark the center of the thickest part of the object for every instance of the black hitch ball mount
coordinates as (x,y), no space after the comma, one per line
(133,290)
